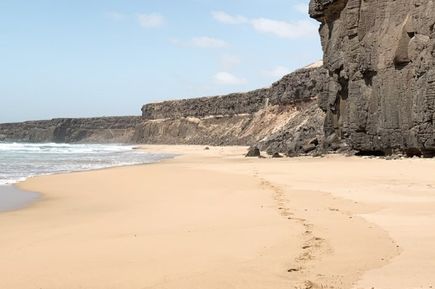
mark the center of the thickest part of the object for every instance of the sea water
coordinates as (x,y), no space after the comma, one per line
(19,161)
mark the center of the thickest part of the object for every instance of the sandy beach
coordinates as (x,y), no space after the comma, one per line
(212,219)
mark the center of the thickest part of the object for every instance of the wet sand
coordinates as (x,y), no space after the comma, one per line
(213,219)
(12,198)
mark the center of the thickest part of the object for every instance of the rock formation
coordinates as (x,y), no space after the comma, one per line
(70,130)
(381,87)
(253,152)
(375,95)
(303,85)
(282,118)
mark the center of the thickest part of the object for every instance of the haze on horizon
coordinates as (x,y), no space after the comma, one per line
(100,58)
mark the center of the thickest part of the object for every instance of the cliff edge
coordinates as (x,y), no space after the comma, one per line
(374,95)
(72,130)
(381,87)
(283,118)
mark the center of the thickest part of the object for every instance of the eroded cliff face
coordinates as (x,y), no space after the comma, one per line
(284,118)
(375,94)
(303,85)
(381,87)
(72,130)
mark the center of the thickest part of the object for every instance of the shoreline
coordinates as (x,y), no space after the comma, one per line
(12,198)
(25,198)
(279,227)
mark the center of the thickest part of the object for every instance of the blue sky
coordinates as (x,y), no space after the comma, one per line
(63,58)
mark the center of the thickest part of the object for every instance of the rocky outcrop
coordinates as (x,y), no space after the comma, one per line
(374,95)
(302,133)
(301,86)
(253,152)
(381,87)
(243,129)
(281,118)
(232,104)
(72,130)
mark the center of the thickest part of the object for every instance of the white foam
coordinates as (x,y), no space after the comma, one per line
(19,161)
(62,148)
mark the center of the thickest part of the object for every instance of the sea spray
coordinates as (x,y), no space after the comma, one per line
(19,161)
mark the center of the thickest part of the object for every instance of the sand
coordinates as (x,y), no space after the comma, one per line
(12,198)
(213,219)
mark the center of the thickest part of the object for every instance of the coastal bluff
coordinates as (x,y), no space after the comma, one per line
(283,118)
(72,130)
(381,86)
(374,95)
(303,85)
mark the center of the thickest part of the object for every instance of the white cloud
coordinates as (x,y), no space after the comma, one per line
(228,62)
(153,20)
(227,78)
(302,8)
(285,29)
(226,18)
(277,72)
(208,42)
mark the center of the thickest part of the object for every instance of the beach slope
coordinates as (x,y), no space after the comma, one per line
(213,219)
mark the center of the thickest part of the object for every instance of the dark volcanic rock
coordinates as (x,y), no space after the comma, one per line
(276,156)
(253,152)
(237,119)
(381,88)
(72,130)
(303,85)
(375,95)
(293,137)
(288,106)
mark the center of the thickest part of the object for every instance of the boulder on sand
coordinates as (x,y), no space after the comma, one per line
(253,152)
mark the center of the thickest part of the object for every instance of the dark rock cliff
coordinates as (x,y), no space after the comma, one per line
(283,118)
(374,95)
(72,130)
(303,85)
(381,87)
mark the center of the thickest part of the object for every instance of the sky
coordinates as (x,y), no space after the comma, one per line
(83,58)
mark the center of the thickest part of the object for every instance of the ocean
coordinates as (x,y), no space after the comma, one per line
(19,161)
